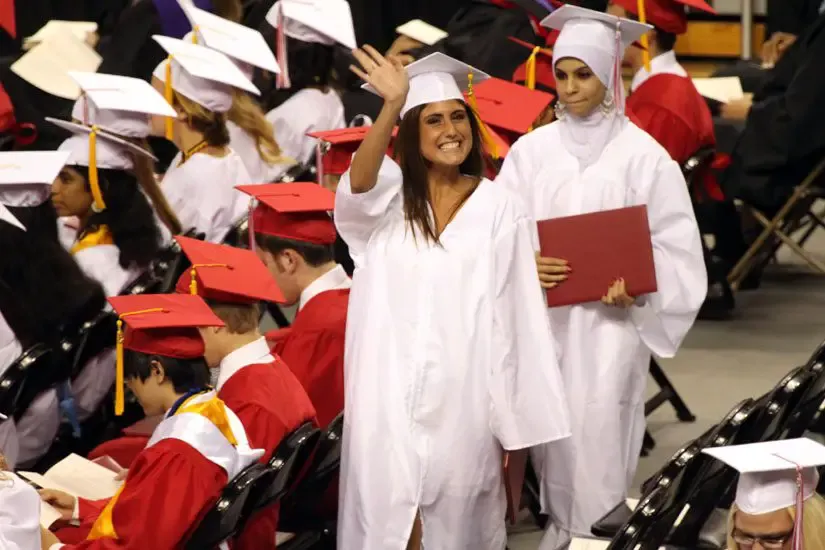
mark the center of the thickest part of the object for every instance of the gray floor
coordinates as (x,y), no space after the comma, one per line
(776,329)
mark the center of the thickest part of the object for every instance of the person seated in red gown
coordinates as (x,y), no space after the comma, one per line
(194,451)
(294,238)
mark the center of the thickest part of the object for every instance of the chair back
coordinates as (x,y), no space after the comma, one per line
(223,519)
(645,528)
(301,172)
(234,236)
(89,340)
(806,414)
(17,387)
(696,166)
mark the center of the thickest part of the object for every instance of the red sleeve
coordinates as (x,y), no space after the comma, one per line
(317,360)
(169,487)
(670,131)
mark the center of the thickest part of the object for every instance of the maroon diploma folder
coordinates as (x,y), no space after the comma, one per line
(600,247)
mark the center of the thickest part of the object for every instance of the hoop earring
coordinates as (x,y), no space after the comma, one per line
(560,110)
(608,105)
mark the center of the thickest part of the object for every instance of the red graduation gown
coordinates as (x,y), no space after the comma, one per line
(170,486)
(314,351)
(270,403)
(668,107)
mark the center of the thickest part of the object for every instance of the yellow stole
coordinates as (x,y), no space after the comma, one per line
(213,410)
(94,238)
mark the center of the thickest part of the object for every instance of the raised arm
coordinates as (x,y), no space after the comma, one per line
(389,78)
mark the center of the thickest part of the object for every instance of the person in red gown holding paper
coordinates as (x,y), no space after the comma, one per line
(193,452)
(253,382)
(294,236)
(448,347)
(593,159)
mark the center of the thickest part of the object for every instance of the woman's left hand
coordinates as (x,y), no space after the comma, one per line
(617,295)
(47,538)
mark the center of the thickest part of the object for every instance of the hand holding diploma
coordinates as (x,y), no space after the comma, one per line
(617,295)
(552,271)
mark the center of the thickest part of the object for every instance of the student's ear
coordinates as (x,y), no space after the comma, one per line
(158,372)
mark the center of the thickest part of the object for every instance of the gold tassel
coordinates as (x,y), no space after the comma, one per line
(120,399)
(640,4)
(170,98)
(99,204)
(195,30)
(531,69)
(486,138)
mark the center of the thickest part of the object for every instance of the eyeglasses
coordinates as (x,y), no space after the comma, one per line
(772,542)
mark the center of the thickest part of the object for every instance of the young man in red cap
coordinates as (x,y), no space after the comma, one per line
(662,96)
(294,236)
(253,382)
(198,447)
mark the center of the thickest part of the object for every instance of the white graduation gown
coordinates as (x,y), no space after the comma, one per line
(202,192)
(19,514)
(259,170)
(448,359)
(10,350)
(309,110)
(605,352)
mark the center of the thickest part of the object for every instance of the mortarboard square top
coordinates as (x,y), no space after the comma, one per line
(206,76)
(164,324)
(437,77)
(46,66)
(118,104)
(341,145)
(239,42)
(295,211)
(667,15)
(26,176)
(226,274)
(316,21)
(768,477)
(111,152)
(508,106)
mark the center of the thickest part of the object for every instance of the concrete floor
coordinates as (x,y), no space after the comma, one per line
(777,327)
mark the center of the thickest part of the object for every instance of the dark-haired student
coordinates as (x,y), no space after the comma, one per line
(253,382)
(193,452)
(294,237)
(449,352)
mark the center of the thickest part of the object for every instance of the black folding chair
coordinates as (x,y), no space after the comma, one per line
(667,394)
(223,520)
(29,375)
(234,237)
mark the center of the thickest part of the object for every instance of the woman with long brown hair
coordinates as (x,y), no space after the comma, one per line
(200,183)
(448,351)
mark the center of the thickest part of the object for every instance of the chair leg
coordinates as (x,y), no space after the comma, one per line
(649,443)
(277,315)
(667,393)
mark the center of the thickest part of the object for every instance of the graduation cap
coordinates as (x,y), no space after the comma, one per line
(336,147)
(326,22)
(537,70)
(439,77)
(26,176)
(667,15)
(201,74)
(57,27)
(592,37)
(246,46)
(159,324)
(774,475)
(120,105)
(294,211)
(507,106)
(94,148)
(421,31)
(46,66)
(226,274)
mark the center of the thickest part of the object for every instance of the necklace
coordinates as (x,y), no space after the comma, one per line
(200,146)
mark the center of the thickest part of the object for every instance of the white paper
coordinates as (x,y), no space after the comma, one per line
(78,477)
(283,538)
(48,514)
(723,89)
(55,27)
(422,31)
(579,543)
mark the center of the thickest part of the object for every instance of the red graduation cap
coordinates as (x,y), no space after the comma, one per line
(295,211)
(159,324)
(510,107)
(666,15)
(541,60)
(341,145)
(226,274)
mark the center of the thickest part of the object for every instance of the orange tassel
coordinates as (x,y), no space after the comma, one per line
(531,68)
(120,398)
(193,282)
(170,98)
(640,4)
(486,138)
(94,184)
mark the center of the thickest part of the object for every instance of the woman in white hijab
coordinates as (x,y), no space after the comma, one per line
(593,158)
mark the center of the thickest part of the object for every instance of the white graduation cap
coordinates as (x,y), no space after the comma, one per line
(422,32)
(46,66)
(316,21)
(56,27)
(770,477)
(598,39)
(94,148)
(120,105)
(26,176)
(204,75)
(246,46)
(437,77)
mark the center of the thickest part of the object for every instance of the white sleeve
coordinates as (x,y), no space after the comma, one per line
(663,318)
(513,176)
(19,514)
(357,215)
(528,404)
